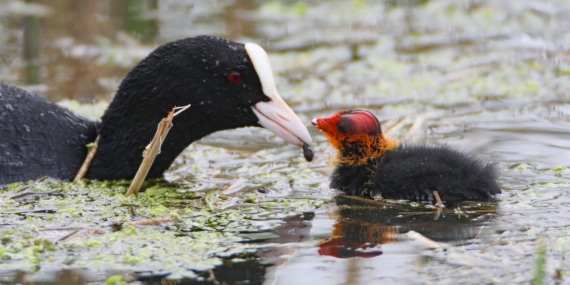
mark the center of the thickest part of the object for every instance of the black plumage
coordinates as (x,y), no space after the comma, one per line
(409,172)
(35,140)
(228,85)
(413,172)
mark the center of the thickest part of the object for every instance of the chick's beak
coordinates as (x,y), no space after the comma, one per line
(321,124)
(315,122)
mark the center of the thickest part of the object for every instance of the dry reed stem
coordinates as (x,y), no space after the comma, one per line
(153,149)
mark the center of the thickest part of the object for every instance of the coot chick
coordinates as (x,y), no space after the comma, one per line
(368,164)
(228,84)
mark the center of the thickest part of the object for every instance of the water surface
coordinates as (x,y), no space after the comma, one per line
(486,77)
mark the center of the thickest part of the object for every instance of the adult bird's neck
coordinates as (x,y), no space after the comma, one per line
(129,125)
(358,150)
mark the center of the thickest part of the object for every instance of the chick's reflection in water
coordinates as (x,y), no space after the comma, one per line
(363,225)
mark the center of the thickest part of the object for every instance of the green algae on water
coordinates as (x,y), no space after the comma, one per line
(165,228)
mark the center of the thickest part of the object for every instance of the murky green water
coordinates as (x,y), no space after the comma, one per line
(487,77)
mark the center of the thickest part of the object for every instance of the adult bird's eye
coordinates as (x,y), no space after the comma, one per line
(341,128)
(235,77)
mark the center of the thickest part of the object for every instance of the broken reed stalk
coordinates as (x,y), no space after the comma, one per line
(152,150)
(396,125)
(418,123)
(437,207)
(438,201)
(87,162)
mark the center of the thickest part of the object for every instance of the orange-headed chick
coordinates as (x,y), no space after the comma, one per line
(369,165)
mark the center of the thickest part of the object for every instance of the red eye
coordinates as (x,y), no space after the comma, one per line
(234,77)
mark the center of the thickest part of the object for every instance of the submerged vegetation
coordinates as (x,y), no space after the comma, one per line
(167,228)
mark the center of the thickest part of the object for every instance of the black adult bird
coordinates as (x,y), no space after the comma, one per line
(228,84)
(368,164)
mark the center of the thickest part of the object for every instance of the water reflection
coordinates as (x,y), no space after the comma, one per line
(63,45)
(82,49)
(69,45)
(362,225)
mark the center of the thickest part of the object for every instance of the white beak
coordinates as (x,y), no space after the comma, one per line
(275,115)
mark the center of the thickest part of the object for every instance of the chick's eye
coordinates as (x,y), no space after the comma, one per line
(341,128)
(235,77)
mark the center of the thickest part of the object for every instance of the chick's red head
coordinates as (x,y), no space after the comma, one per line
(348,126)
(356,134)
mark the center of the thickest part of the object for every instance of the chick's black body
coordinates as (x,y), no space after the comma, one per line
(413,172)
(368,164)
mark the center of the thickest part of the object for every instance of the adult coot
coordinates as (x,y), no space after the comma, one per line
(228,84)
(368,164)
